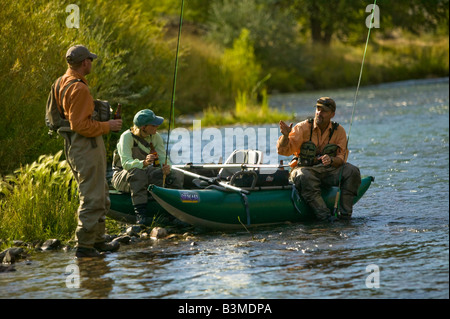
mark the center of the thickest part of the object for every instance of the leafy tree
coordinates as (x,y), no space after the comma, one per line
(345,19)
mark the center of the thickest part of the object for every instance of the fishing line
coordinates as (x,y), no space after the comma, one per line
(354,107)
(361,71)
(175,72)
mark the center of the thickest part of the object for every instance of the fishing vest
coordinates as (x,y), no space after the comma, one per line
(136,153)
(308,151)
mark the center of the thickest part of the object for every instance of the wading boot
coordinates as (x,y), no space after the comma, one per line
(320,209)
(346,206)
(141,212)
(107,247)
(83,252)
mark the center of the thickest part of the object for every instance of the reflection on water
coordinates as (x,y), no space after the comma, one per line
(400,136)
(94,279)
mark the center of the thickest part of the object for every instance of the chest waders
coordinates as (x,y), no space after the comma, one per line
(308,150)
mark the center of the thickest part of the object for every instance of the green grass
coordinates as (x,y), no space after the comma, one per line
(39,201)
(245,112)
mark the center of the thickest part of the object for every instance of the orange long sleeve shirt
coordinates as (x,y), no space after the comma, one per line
(79,105)
(300,133)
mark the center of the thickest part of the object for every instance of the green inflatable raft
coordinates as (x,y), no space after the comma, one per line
(220,206)
(220,209)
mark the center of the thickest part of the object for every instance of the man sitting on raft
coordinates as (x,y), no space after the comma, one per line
(320,150)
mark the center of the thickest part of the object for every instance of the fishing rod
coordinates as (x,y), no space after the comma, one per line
(336,202)
(243,166)
(175,72)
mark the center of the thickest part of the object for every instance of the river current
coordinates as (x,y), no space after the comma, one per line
(396,246)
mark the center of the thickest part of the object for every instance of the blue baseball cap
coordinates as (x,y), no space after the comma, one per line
(147,117)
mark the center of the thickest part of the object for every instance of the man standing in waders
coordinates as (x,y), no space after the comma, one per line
(320,152)
(86,155)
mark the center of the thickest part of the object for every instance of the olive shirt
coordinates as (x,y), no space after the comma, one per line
(127,142)
(301,133)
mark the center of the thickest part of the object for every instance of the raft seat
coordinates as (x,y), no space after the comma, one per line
(240,157)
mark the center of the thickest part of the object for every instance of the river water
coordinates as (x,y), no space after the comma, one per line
(396,246)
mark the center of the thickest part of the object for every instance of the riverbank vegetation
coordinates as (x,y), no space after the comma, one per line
(234,55)
(38,201)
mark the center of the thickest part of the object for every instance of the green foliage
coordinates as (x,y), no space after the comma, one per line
(136,39)
(39,201)
(240,66)
(196,90)
(245,112)
(134,65)
(272,32)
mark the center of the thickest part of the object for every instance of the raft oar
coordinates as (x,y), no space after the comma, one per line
(172,109)
(243,166)
(212,181)
(336,202)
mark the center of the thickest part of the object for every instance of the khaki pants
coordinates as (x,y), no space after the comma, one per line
(309,180)
(136,182)
(87,159)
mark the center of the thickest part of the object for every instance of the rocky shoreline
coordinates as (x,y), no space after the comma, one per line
(21,251)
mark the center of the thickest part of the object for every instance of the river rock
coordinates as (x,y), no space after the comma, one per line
(10,255)
(158,232)
(8,268)
(19,243)
(144,235)
(134,230)
(51,244)
(109,238)
(125,239)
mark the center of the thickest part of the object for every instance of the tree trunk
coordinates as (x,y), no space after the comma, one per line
(321,29)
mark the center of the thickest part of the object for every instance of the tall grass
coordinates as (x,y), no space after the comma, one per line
(245,112)
(244,74)
(200,81)
(134,65)
(39,201)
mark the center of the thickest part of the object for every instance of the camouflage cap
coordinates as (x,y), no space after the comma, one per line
(78,53)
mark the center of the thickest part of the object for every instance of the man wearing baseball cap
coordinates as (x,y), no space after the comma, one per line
(85,152)
(136,166)
(320,151)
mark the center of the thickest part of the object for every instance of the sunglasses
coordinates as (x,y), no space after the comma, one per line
(326,102)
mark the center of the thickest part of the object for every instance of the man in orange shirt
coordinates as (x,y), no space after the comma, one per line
(320,149)
(86,154)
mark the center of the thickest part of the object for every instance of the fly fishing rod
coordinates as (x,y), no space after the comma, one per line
(336,202)
(172,109)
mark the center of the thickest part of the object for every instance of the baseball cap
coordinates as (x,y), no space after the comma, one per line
(78,53)
(327,102)
(147,117)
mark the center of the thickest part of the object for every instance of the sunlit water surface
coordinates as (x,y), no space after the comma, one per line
(400,135)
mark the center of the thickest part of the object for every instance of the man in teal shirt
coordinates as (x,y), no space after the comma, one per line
(140,160)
